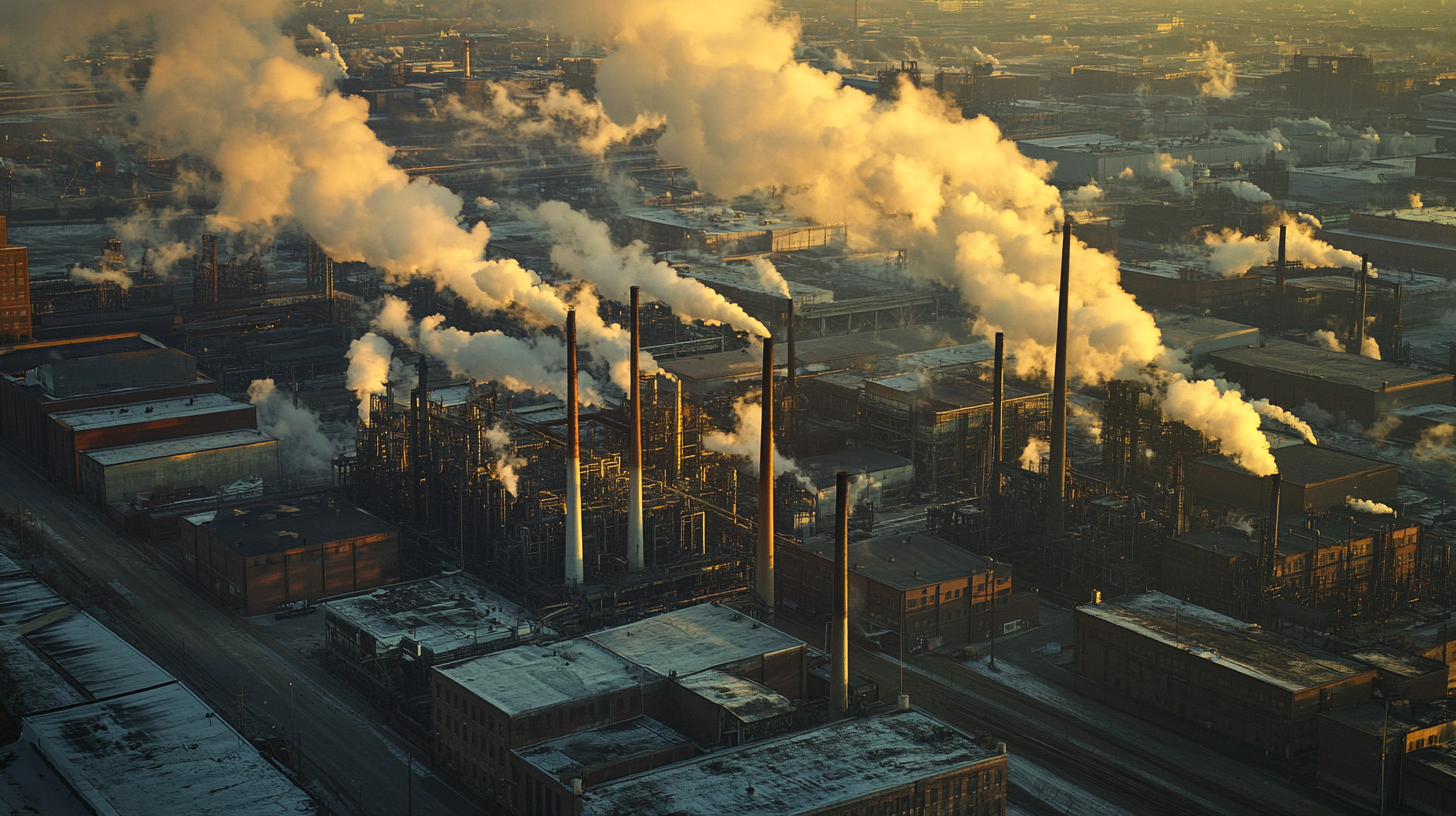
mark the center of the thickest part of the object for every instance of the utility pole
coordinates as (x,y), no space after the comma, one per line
(991,605)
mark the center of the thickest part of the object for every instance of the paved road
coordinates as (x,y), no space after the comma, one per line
(1128,763)
(222,659)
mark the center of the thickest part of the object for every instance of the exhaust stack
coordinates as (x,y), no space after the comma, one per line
(467,58)
(1271,531)
(763,570)
(998,399)
(1362,289)
(839,639)
(575,569)
(1057,479)
(1279,282)
(793,357)
(635,549)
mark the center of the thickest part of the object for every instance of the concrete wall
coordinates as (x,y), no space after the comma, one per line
(66,445)
(205,468)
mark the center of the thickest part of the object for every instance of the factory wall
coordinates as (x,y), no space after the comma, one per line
(103,484)
(66,445)
(1363,405)
(136,369)
(1426,784)
(1160,291)
(1350,758)
(25,411)
(1220,488)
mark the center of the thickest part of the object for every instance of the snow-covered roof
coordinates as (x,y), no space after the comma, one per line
(161,751)
(808,772)
(531,678)
(1242,647)
(132,413)
(24,598)
(694,638)
(439,615)
(573,753)
(95,658)
(162,449)
(739,696)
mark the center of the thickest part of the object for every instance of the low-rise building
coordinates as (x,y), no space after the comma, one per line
(1428,781)
(1360,745)
(1311,478)
(1236,678)
(203,463)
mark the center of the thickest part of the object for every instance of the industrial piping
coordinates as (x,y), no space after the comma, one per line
(998,398)
(839,640)
(575,570)
(763,563)
(1057,479)
(635,549)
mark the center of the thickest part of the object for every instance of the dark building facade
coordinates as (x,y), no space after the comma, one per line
(14,290)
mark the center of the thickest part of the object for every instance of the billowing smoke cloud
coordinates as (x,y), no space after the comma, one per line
(371,359)
(583,248)
(1437,444)
(86,276)
(1367,506)
(1273,412)
(1272,140)
(1036,449)
(1165,167)
(535,364)
(507,463)
(1370,348)
(769,277)
(1088,422)
(563,115)
(1223,415)
(1086,194)
(1247,191)
(1324,338)
(1414,201)
(306,451)
(1220,73)
(743,115)
(1231,253)
(329,47)
(744,438)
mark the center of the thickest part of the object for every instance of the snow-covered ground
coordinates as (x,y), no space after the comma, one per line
(28,785)
(1056,792)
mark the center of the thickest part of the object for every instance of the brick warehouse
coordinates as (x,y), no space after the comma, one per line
(1237,678)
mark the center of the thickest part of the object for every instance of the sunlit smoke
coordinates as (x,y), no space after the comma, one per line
(744,438)
(1367,506)
(1273,412)
(769,277)
(507,463)
(1326,339)
(305,450)
(370,361)
(1370,348)
(1220,73)
(563,115)
(1036,449)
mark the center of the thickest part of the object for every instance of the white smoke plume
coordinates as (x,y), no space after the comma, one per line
(1086,194)
(1165,167)
(1088,422)
(1437,444)
(1272,140)
(1220,73)
(1273,412)
(370,360)
(84,275)
(562,115)
(1414,201)
(306,451)
(769,277)
(1370,348)
(1032,454)
(507,463)
(1223,415)
(583,248)
(535,364)
(1231,253)
(1246,191)
(744,438)
(1367,506)
(329,47)
(1324,338)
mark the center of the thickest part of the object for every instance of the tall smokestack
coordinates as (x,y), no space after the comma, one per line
(763,570)
(998,397)
(635,550)
(575,570)
(839,639)
(1362,287)
(1279,281)
(793,357)
(1271,535)
(467,57)
(1057,480)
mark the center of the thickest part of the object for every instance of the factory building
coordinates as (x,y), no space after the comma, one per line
(261,557)
(1099,156)
(73,433)
(1196,335)
(387,639)
(182,466)
(1323,570)
(1242,681)
(880,478)
(1361,744)
(1159,284)
(1423,239)
(14,290)
(906,762)
(722,231)
(1291,374)
(1428,780)
(916,592)
(40,379)
(1379,183)
(1312,477)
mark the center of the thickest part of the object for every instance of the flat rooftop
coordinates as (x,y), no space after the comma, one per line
(94,658)
(1412,283)
(719,219)
(530,678)
(151,411)
(1285,357)
(811,771)
(269,527)
(827,351)
(1396,663)
(822,469)
(1440,758)
(1184,331)
(1243,647)
(910,561)
(1306,464)
(16,360)
(741,697)
(147,451)
(565,756)
(23,598)
(694,638)
(440,614)
(161,751)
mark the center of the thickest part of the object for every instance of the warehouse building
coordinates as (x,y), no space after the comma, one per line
(387,639)
(1311,477)
(1196,335)
(73,433)
(598,756)
(906,762)
(126,368)
(1361,744)
(1428,780)
(1099,156)
(880,478)
(205,463)
(261,557)
(1291,374)
(912,592)
(1240,680)
(1423,239)
(1158,284)
(722,231)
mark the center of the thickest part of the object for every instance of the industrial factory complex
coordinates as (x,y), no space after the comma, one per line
(825,407)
